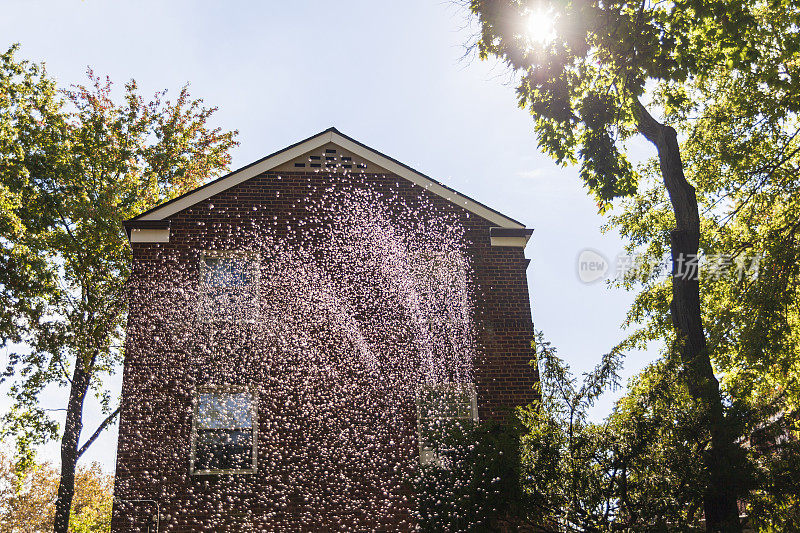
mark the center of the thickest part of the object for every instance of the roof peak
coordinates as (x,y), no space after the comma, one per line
(330,135)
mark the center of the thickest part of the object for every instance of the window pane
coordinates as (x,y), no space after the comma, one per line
(444,410)
(224,410)
(224,449)
(228,288)
(227,271)
(445,402)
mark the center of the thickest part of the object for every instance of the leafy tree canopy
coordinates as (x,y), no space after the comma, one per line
(28,495)
(74,164)
(742,154)
(582,82)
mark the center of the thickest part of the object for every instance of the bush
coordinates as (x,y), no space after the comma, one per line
(473,485)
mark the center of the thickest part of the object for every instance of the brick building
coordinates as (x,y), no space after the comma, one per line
(227,427)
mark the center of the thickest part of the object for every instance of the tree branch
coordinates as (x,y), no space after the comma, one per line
(110,418)
(646,124)
(681,192)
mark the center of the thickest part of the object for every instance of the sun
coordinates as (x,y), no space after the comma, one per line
(540,26)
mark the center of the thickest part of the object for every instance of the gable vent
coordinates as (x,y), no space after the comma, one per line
(330,158)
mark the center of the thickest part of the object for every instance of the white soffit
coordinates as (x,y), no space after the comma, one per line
(516,242)
(316,142)
(149,235)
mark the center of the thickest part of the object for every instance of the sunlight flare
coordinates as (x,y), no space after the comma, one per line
(540,26)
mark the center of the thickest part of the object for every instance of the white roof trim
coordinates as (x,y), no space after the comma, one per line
(149,235)
(516,242)
(425,182)
(313,143)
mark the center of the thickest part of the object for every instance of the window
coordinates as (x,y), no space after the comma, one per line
(228,286)
(442,408)
(224,432)
(442,281)
(441,284)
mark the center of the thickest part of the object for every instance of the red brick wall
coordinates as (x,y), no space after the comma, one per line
(165,364)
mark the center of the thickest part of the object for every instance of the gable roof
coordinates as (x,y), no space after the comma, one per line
(329,136)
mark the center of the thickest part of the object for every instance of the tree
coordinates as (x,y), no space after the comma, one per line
(743,156)
(642,469)
(584,84)
(554,470)
(28,493)
(566,468)
(73,165)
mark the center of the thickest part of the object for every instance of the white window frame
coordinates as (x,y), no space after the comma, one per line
(224,389)
(428,456)
(255,267)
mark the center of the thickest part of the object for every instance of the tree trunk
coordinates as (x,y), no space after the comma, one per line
(720,496)
(69,444)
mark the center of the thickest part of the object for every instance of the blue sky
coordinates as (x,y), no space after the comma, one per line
(390,74)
